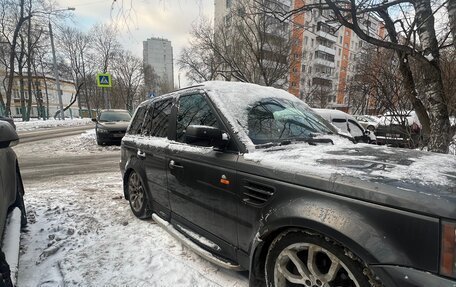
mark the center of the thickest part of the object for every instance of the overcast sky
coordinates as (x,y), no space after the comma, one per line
(142,19)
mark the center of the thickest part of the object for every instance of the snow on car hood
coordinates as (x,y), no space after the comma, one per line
(366,162)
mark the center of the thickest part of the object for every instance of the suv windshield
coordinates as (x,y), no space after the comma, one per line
(278,119)
(114,116)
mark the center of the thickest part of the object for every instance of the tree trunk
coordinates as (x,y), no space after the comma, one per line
(29,69)
(452,16)
(12,56)
(438,113)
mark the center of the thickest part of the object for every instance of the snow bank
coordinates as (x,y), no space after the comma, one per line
(35,124)
(82,233)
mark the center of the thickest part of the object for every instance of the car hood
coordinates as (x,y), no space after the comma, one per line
(114,126)
(414,180)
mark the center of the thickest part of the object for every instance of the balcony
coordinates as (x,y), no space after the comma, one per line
(323,76)
(326,49)
(326,63)
(327,36)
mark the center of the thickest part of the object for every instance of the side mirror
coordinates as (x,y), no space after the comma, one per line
(206,136)
(94,120)
(8,136)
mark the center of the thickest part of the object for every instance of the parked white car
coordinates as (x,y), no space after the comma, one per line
(368,122)
(347,124)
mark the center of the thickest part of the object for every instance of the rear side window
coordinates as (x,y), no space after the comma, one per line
(136,123)
(156,123)
(193,110)
(355,130)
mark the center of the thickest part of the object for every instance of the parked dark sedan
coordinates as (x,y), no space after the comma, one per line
(11,188)
(251,178)
(111,126)
(399,129)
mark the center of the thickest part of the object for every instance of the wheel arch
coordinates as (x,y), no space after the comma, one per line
(320,219)
(136,166)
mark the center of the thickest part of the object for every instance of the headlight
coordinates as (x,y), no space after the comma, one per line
(448,251)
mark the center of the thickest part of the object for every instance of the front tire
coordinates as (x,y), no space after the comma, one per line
(296,258)
(137,196)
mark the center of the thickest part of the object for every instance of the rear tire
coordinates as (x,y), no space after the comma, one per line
(137,196)
(296,258)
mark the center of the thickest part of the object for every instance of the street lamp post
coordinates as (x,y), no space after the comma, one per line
(54,61)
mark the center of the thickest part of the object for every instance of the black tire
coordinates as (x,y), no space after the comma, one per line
(280,268)
(371,128)
(137,196)
(99,142)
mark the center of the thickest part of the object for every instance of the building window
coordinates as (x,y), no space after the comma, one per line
(305,40)
(310,70)
(340,51)
(340,39)
(311,42)
(303,68)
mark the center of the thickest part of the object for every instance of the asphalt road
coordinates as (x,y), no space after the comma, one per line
(49,133)
(36,166)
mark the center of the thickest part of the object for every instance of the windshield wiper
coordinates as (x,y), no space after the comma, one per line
(309,140)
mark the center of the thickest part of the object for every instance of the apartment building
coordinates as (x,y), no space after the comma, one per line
(323,54)
(158,53)
(265,61)
(45,100)
(327,56)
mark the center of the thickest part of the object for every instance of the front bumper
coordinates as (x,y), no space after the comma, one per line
(111,137)
(397,276)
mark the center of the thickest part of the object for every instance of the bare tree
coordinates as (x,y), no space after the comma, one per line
(128,76)
(248,46)
(200,64)
(76,45)
(412,35)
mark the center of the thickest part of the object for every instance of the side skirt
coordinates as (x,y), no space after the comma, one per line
(195,248)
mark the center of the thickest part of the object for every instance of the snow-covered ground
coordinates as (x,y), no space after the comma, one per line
(35,124)
(81,232)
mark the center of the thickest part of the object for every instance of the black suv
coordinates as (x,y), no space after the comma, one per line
(252,179)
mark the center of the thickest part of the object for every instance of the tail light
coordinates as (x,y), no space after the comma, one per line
(448,249)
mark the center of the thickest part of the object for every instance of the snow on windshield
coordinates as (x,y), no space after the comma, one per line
(233,100)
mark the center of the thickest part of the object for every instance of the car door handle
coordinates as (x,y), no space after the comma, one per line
(141,154)
(173,165)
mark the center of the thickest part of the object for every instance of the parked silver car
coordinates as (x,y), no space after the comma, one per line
(347,124)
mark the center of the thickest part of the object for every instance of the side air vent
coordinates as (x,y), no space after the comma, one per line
(257,194)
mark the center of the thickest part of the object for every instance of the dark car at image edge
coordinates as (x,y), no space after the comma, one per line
(11,191)
(252,179)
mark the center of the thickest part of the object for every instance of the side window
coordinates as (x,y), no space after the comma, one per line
(355,130)
(156,124)
(138,118)
(341,124)
(193,110)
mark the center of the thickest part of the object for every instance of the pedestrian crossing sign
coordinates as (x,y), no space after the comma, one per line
(104,80)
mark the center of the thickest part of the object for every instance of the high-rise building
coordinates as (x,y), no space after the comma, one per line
(323,55)
(327,54)
(158,53)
